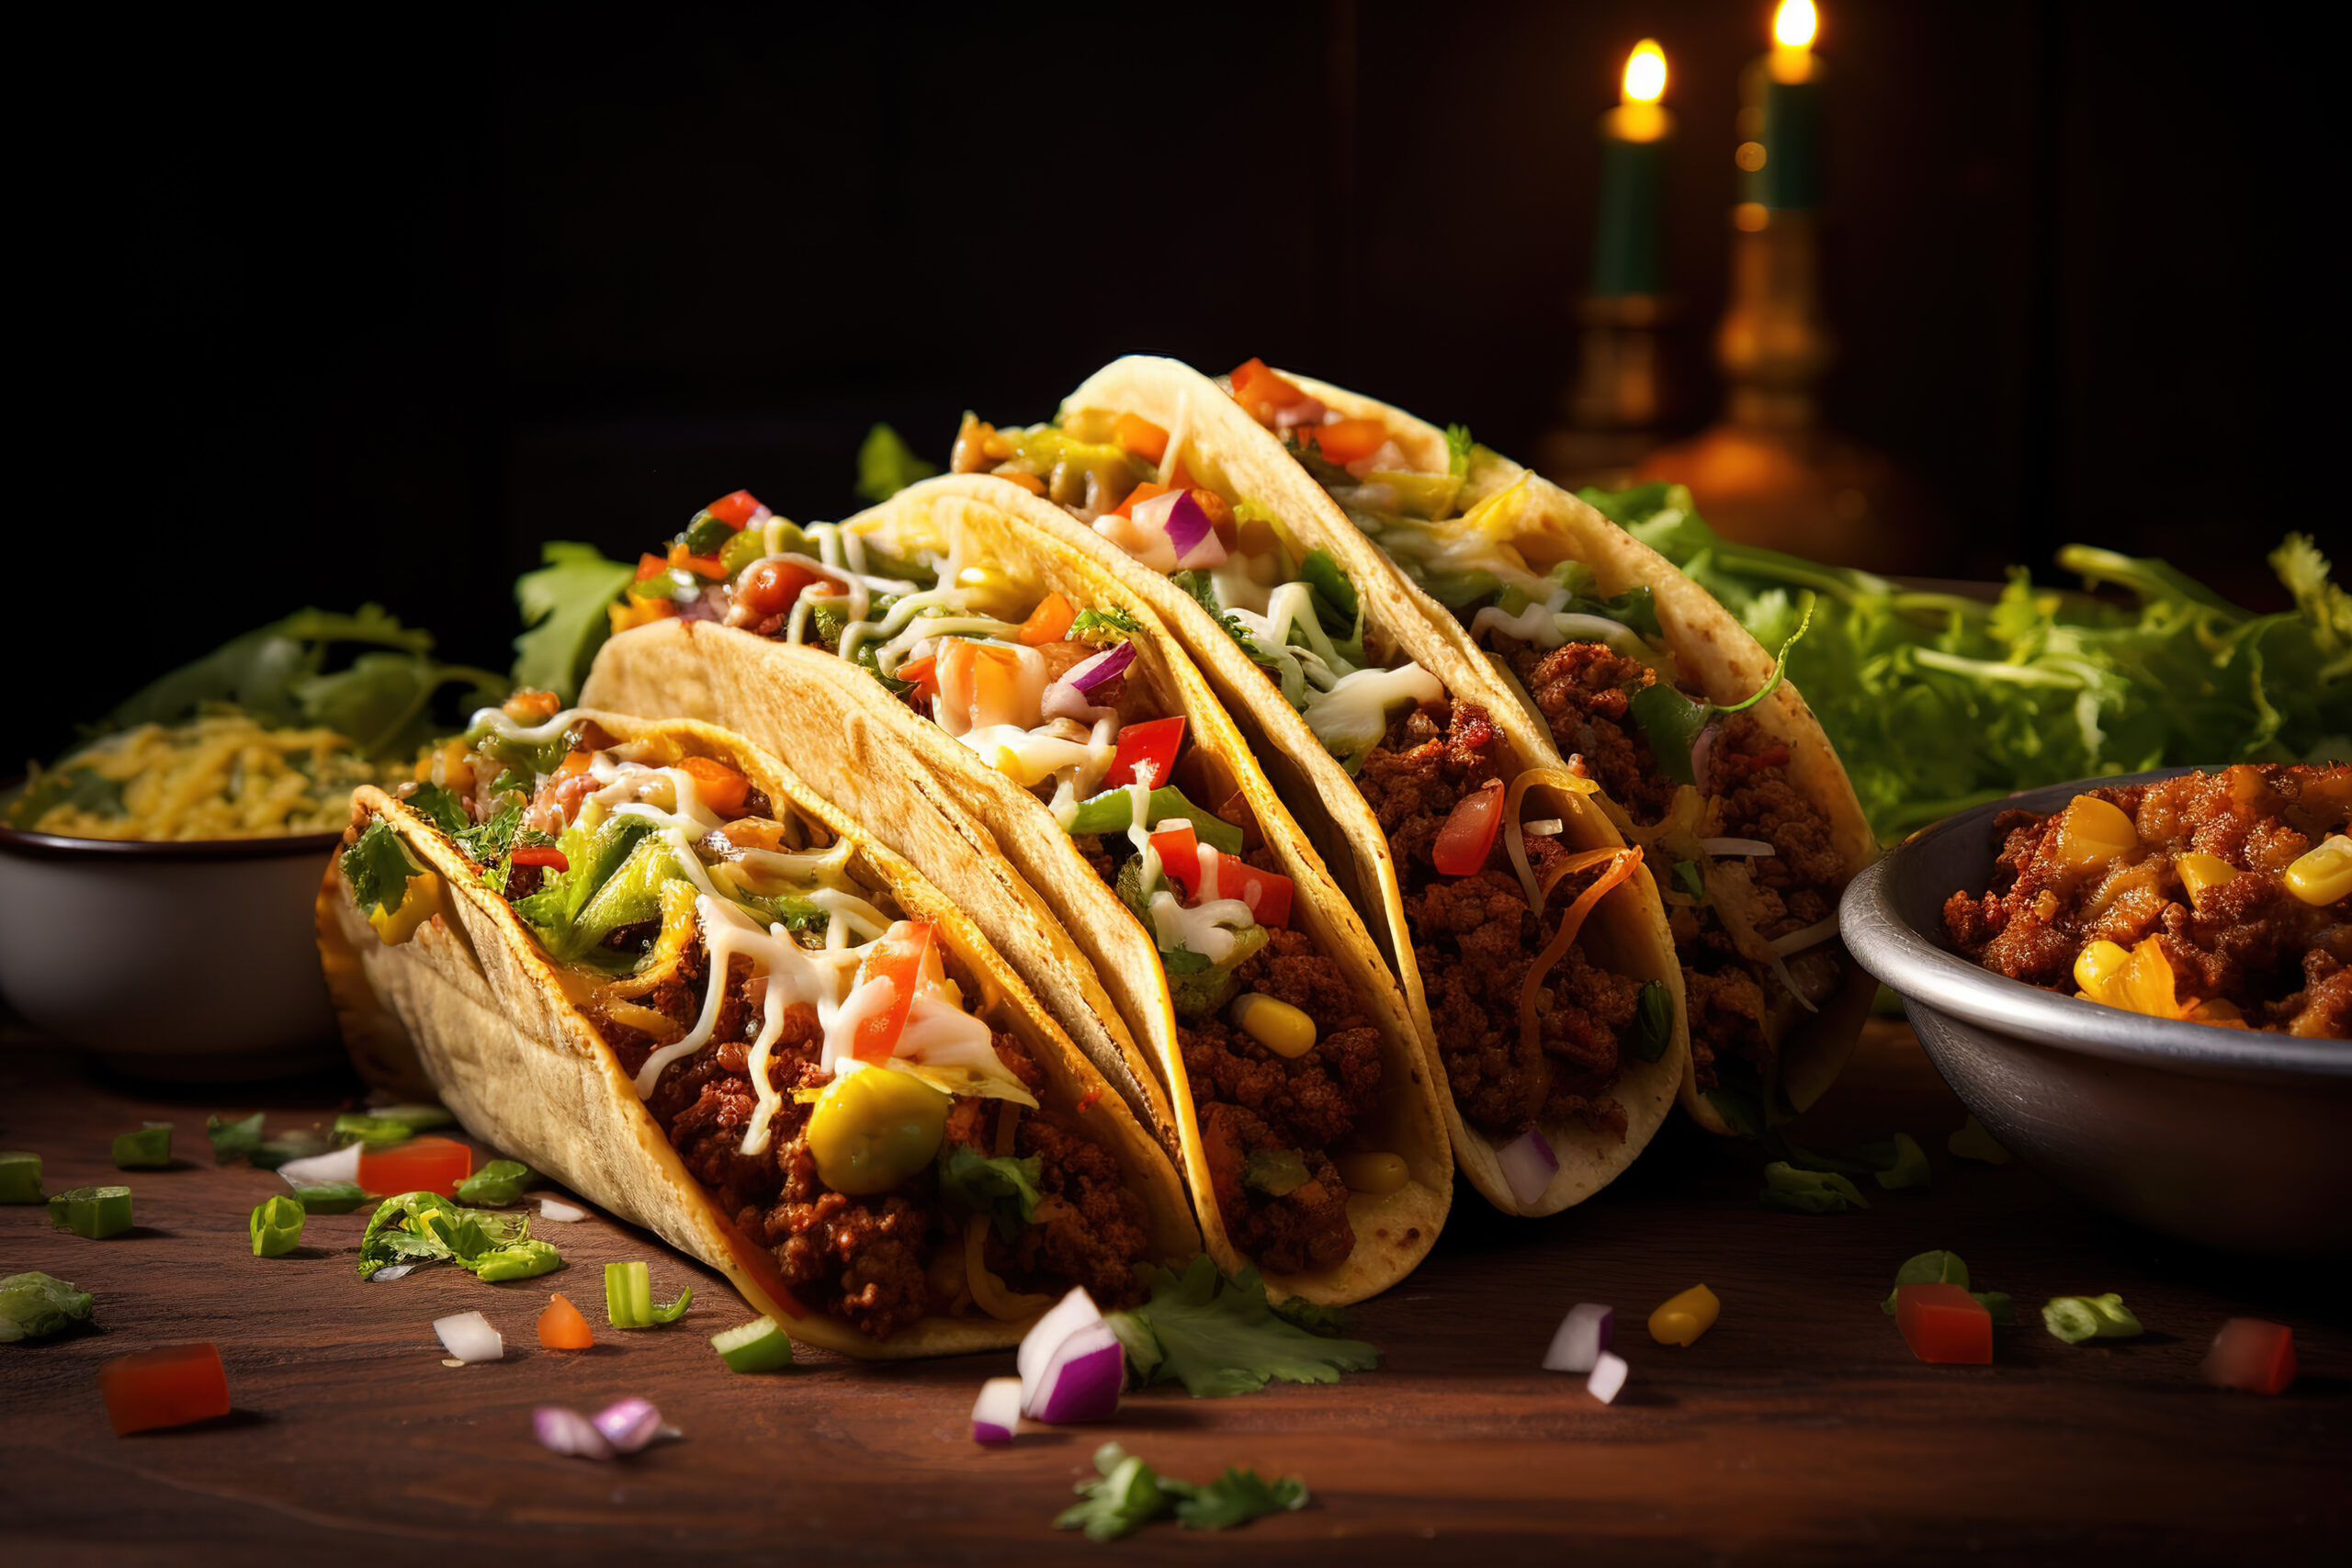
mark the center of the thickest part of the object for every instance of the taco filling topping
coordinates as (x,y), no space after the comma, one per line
(1528,1029)
(1747,863)
(829,1070)
(1283,1063)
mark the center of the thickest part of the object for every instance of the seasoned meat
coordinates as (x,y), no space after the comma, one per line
(1305,1228)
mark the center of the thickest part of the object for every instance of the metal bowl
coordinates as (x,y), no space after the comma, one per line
(2231,1138)
(190,961)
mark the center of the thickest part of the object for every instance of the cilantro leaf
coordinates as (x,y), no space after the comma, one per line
(1103,626)
(1237,1497)
(1203,592)
(1219,1337)
(377,869)
(1128,1496)
(563,611)
(486,843)
(439,807)
(1457,449)
(1003,1188)
(424,1228)
(886,464)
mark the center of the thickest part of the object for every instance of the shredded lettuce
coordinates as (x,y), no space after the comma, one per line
(424,1228)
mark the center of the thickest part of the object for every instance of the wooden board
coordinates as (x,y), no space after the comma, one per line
(1799,1429)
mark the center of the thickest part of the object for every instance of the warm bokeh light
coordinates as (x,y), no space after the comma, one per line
(1645,72)
(1794,23)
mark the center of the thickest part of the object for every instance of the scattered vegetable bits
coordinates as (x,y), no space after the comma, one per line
(471,1337)
(996,1414)
(36,1305)
(1608,1378)
(622,1427)
(169,1387)
(20,1177)
(562,1327)
(1582,1337)
(1680,1320)
(759,1345)
(277,1227)
(1220,1337)
(2251,1355)
(2077,1318)
(1808,1191)
(1072,1364)
(1944,1324)
(499,1182)
(421,1165)
(330,1197)
(1131,1494)
(629,1298)
(150,1149)
(93,1211)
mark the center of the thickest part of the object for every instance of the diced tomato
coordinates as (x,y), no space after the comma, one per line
(1468,832)
(923,673)
(1179,851)
(1261,392)
(701,566)
(562,1328)
(1049,622)
(1146,751)
(2251,1355)
(1139,495)
(721,787)
(169,1387)
(734,509)
(542,854)
(421,1165)
(1349,440)
(650,566)
(898,957)
(1137,434)
(1267,893)
(771,587)
(983,683)
(1944,1323)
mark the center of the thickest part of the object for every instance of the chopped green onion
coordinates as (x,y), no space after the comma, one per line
(522,1259)
(150,1149)
(271,1153)
(1972,1142)
(1908,1170)
(2077,1318)
(375,1132)
(629,1298)
(20,1177)
(1808,1191)
(93,1211)
(36,1305)
(330,1197)
(277,1227)
(499,1182)
(232,1140)
(759,1345)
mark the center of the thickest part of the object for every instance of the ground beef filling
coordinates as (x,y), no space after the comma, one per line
(2286,965)
(883,1261)
(1474,939)
(1736,1005)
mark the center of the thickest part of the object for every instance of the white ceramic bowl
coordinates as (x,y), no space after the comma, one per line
(194,962)
(2232,1138)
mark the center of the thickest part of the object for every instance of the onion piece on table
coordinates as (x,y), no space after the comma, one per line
(391,1272)
(562,1212)
(471,1337)
(1582,1337)
(1528,1165)
(629,1424)
(1073,1365)
(564,1431)
(317,1170)
(1607,1378)
(996,1414)
(2252,1356)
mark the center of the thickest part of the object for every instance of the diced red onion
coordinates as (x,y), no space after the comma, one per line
(1528,1165)
(470,1336)
(1187,525)
(1583,1335)
(710,605)
(567,1214)
(1702,752)
(1072,1312)
(1749,848)
(996,1414)
(569,1432)
(629,1424)
(1107,665)
(1080,1381)
(1607,1378)
(318,1170)
(1063,700)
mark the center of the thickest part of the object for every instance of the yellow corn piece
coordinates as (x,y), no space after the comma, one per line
(1374,1174)
(2093,831)
(2218,1011)
(1683,1318)
(2096,966)
(2198,872)
(633,612)
(419,904)
(2323,875)
(1278,1026)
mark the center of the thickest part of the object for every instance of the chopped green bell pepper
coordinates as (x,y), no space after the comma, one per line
(1113,811)
(93,1211)
(20,1177)
(276,1226)
(150,1149)
(759,1345)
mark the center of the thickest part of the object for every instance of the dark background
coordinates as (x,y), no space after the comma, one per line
(365,309)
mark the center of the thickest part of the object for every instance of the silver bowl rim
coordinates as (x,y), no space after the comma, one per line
(31,845)
(1931,974)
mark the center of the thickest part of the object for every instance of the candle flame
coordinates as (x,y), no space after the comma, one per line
(1645,72)
(1794,23)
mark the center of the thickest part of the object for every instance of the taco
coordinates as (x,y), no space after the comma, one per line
(1707,759)
(933,648)
(1531,948)
(648,960)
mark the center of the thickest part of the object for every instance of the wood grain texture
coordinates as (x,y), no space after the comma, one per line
(1799,1429)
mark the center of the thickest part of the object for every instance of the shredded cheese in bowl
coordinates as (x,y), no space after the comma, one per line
(220,775)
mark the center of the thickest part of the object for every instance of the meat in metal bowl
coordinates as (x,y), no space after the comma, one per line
(2231,1138)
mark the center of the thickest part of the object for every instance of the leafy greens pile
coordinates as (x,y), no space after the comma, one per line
(424,1228)
(1938,703)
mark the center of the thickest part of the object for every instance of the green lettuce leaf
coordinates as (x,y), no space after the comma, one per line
(377,869)
(886,464)
(564,614)
(36,1305)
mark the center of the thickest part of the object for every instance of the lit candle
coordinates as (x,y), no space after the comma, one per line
(1632,162)
(1791,175)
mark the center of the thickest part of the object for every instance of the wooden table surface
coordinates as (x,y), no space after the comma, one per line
(1800,1428)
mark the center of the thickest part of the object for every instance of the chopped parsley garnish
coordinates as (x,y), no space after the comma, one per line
(377,869)
(1130,1494)
(1219,1337)
(1103,626)
(439,806)
(424,1228)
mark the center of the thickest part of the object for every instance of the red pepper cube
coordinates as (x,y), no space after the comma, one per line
(1944,1324)
(421,1165)
(2251,1355)
(170,1387)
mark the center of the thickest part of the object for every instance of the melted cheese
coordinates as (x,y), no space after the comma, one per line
(1354,714)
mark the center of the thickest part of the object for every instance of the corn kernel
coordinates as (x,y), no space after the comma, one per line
(2146,984)
(1374,1174)
(2220,1012)
(418,904)
(1681,1319)
(2198,872)
(1278,1026)
(2324,874)
(2096,966)
(2093,831)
